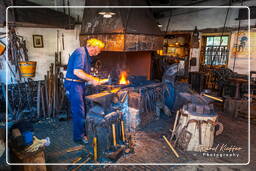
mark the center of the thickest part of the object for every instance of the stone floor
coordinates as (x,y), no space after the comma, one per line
(235,133)
(150,147)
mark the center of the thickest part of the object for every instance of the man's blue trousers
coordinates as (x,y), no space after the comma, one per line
(76,94)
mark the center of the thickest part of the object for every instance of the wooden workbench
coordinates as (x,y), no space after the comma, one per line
(238,82)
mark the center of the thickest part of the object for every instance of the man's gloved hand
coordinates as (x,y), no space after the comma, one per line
(37,143)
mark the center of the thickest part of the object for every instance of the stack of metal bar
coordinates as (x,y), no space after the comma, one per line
(54,100)
(144,105)
(22,99)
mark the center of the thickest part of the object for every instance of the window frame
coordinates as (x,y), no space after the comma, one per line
(203,48)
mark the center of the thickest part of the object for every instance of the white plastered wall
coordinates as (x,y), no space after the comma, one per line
(46,55)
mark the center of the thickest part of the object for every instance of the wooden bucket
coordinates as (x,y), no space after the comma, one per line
(195,131)
(27,68)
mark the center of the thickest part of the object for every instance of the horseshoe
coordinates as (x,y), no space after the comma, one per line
(220,130)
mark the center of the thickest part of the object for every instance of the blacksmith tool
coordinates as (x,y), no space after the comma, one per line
(200,132)
(122,131)
(38,98)
(85,161)
(198,124)
(175,123)
(46,78)
(62,36)
(183,139)
(54,85)
(124,96)
(212,97)
(77,160)
(76,148)
(95,150)
(42,100)
(173,150)
(4,94)
(114,134)
(221,128)
(115,155)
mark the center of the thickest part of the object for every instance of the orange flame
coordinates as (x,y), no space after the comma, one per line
(123,78)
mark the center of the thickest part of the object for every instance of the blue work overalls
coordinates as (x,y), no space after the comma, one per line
(79,59)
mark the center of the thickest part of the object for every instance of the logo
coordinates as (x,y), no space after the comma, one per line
(221,150)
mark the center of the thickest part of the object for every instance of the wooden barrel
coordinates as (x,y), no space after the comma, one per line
(27,68)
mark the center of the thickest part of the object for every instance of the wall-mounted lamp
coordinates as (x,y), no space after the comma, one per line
(195,39)
(106,13)
(159,25)
(195,32)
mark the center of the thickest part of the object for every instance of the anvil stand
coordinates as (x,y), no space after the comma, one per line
(105,105)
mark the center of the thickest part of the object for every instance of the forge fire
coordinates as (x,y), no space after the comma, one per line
(123,78)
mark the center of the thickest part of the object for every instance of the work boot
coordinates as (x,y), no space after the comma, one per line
(85,140)
(82,141)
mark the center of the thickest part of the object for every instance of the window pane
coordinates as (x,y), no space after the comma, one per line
(214,53)
(217,41)
(224,41)
(209,41)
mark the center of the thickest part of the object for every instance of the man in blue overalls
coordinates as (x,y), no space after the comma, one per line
(78,72)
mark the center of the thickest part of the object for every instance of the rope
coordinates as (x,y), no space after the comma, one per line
(167,26)
(238,31)
(224,27)
(126,25)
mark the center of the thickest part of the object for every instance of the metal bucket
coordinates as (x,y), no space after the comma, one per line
(27,68)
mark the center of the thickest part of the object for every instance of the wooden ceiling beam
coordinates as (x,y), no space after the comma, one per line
(36,17)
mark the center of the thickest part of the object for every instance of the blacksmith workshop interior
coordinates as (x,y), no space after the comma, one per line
(127,85)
